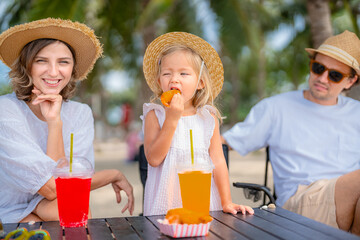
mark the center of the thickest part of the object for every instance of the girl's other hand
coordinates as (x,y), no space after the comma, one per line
(235,208)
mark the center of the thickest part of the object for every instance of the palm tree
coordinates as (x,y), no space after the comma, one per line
(244,25)
(319,19)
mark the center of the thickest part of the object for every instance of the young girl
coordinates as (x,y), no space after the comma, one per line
(189,64)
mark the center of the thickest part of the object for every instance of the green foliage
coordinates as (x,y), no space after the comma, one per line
(65,9)
(182,17)
(117,99)
(5,88)
(253,69)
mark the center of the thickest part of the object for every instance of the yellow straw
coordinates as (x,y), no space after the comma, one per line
(71,150)
(191,147)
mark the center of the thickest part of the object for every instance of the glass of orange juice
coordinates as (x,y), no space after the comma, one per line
(195,185)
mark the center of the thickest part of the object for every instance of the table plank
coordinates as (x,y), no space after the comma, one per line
(315,225)
(270,227)
(9,227)
(122,229)
(54,229)
(98,229)
(30,227)
(243,228)
(145,229)
(223,231)
(292,225)
(75,233)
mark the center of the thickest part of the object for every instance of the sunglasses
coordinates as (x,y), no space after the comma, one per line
(23,234)
(334,76)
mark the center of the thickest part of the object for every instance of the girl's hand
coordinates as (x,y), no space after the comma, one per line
(235,208)
(176,108)
(50,105)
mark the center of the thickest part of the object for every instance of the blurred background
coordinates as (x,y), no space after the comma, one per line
(261,44)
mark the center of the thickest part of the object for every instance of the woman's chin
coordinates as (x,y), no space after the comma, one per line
(51,91)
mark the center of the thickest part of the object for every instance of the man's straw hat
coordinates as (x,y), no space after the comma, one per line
(200,46)
(79,36)
(344,47)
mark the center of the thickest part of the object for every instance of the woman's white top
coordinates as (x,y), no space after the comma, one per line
(24,165)
(162,189)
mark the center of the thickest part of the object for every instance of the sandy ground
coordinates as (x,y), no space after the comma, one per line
(112,154)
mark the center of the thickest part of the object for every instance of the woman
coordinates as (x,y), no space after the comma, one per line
(47,57)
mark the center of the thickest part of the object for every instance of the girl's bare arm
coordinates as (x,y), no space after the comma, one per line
(221,175)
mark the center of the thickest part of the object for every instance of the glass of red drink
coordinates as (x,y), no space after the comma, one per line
(73,191)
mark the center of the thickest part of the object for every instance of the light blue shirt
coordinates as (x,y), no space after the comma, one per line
(307,141)
(24,165)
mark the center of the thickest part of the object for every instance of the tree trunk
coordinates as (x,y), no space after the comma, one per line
(235,101)
(319,18)
(144,90)
(354,91)
(261,79)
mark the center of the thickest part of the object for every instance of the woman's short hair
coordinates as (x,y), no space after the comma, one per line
(20,74)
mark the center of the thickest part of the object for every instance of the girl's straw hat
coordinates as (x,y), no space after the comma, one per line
(344,47)
(79,36)
(200,46)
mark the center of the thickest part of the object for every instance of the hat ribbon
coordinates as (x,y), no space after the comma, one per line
(349,60)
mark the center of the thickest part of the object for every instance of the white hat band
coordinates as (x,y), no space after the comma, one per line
(348,59)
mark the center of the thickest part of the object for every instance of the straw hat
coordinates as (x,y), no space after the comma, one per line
(79,36)
(200,46)
(344,47)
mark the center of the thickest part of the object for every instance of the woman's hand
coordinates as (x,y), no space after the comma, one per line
(50,105)
(50,108)
(235,208)
(121,183)
(118,182)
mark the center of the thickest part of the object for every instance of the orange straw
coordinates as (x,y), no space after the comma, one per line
(191,147)
(71,150)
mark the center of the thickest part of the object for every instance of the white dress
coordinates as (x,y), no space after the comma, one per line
(162,190)
(24,165)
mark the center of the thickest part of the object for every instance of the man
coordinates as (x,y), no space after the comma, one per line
(313,137)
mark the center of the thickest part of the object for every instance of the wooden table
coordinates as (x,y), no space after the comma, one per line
(265,224)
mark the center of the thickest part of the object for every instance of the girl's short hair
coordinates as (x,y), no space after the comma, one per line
(202,96)
(20,73)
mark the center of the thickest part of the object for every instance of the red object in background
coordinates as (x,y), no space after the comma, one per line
(127,115)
